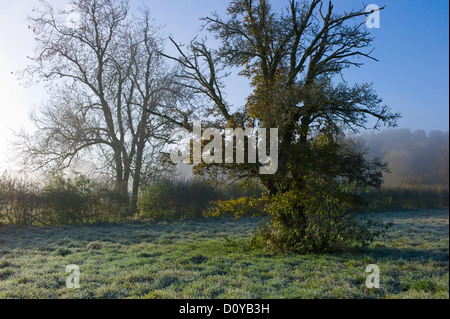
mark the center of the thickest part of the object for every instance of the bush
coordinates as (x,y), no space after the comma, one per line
(318,221)
(60,201)
(393,198)
(110,205)
(330,219)
(67,201)
(247,188)
(19,201)
(172,198)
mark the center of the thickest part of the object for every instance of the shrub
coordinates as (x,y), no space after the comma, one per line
(172,198)
(19,201)
(249,188)
(110,205)
(392,198)
(61,200)
(67,201)
(327,222)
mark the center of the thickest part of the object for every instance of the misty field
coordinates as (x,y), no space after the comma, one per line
(213,258)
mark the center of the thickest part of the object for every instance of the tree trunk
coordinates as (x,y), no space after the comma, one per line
(137,174)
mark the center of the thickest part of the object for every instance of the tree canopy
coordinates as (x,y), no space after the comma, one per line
(293,60)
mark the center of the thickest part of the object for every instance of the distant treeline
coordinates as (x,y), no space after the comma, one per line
(414,158)
(419,169)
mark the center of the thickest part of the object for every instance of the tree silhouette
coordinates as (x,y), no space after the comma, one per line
(112,95)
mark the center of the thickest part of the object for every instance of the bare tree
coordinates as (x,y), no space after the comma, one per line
(112,96)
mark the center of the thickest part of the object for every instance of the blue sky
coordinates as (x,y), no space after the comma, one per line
(412,45)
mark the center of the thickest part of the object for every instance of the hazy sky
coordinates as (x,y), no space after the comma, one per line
(412,45)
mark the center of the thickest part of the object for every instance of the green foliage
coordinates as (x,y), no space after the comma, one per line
(293,60)
(326,222)
(249,188)
(111,205)
(315,212)
(245,198)
(172,198)
(238,207)
(67,200)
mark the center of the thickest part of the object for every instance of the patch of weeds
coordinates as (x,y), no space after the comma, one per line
(198,259)
(377,245)
(5,273)
(63,242)
(367,260)
(164,241)
(216,270)
(215,292)
(165,280)
(62,251)
(4,263)
(23,280)
(145,255)
(425,284)
(352,264)
(94,245)
(44,248)
(162,294)
(359,280)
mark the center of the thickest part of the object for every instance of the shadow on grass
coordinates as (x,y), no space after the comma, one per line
(407,254)
(52,237)
(386,254)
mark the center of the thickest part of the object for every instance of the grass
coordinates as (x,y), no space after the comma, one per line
(212,259)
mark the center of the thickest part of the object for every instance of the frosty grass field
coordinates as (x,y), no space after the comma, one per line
(213,258)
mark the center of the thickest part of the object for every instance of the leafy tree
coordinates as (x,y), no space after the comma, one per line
(294,60)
